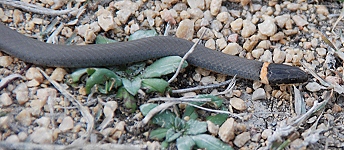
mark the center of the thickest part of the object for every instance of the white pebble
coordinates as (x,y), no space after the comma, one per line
(5,99)
(259,94)
(248,28)
(185,29)
(268,27)
(238,104)
(66,124)
(232,49)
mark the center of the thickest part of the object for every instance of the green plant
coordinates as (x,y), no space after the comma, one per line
(187,133)
(130,80)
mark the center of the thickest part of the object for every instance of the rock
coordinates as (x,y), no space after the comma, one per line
(106,20)
(259,94)
(290,32)
(232,49)
(277,37)
(256,53)
(241,139)
(282,20)
(256,137)
(238,104)
(58,74)
(185,29)
(43,122)
(223,17)
(42,135)
(208,80)
(314,87)
(12,139)
(251,43)
(17,16)
(279,56)
(24,117)
(195,13)
(266,133)
(215,6)
(233,38)
(110,108)
(119,130)
(6,61)
(34,73)
(66,124)
(212,128)
(22,93)
(184,15)
(248,29)
(265,44)
(321,51)
(210,44)
(221,43)
(5,99)
(293,6)
(216,25)
(196,4)
(268,27)
(226,131)
(127,5)
(322,9)
(237,24)
(22,136)
(266,57)
(299,21)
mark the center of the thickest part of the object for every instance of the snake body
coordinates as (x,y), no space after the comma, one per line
(97,55)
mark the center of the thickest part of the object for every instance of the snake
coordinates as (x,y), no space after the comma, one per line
(104,55)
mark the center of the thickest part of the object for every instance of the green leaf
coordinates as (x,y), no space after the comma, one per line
(190,111)
(158,134)
(215,100)
(172,135)
(218,119)
(185,142)
(209,142)
(104,40)
(142,34)
(129,100)
(195,127)
(145,108)
(165,119)
(132,86)
(163,66)
(76,75)
(179,124)
(153,85)
(100,76)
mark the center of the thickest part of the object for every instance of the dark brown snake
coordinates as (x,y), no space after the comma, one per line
(97,55)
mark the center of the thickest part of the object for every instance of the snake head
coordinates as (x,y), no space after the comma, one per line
(284,74)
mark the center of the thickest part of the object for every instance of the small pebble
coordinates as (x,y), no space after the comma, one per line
(5,99)
(241,139)
(12,139)
(42,135)
(58,74)
(322,9)
(266,133)
(259,94)
(22,93)
(66,124)
(237,24)
(6,61)
(185,29)
(248,29)
(24,117)
(299,21)
(266,57)
(226,131)
(232,49)
(212,128)
(238,104)
(34,73)
(268,27)
(215,6)
(314,87)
